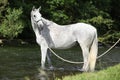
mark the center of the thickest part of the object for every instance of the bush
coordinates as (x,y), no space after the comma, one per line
(12,25)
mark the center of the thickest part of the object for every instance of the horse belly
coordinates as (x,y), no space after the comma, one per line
(63,42)
(64,46)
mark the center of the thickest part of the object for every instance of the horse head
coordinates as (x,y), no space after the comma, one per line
(36,17)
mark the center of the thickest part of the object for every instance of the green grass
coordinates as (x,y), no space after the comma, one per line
(112,73)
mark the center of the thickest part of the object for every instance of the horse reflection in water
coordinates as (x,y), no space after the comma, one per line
(42,75)
(51,35)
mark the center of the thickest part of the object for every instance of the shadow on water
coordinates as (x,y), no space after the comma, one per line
(22,63)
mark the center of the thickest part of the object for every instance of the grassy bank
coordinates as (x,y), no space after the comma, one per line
(112,73)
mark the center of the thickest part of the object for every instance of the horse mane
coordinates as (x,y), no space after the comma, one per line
(48,22)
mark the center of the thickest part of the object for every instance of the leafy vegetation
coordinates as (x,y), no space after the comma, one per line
(12,25)
(103,14)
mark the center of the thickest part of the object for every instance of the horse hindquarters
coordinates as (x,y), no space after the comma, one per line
(87,39)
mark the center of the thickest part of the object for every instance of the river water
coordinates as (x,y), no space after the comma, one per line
(23,63)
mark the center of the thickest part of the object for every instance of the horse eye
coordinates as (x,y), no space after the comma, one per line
(34,15)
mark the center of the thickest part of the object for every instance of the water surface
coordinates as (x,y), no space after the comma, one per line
(23,63)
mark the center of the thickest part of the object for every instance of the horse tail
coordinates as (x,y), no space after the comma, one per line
(93,53)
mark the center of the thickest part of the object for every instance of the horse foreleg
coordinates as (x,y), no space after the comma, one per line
(49,60)
(43,56)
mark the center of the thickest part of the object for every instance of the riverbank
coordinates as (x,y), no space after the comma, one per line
(111,73)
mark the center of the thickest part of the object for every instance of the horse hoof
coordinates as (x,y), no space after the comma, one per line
(43,68)
(81,70)
(51,68)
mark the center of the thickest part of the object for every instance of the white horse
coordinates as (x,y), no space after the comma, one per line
(51,35)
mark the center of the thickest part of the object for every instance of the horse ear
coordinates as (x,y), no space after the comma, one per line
(33,8)
(39,8)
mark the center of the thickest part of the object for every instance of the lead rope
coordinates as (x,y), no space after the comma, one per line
(65,60)
(109,49)
(73,62)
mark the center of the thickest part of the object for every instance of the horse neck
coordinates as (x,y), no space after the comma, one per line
(47,22)
(35,29)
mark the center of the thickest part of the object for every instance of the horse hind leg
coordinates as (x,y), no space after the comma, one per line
(85,52)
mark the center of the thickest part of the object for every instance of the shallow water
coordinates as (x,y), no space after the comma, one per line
(23,63)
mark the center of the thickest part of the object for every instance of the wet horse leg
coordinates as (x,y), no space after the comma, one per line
(49,59)
(43,56)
